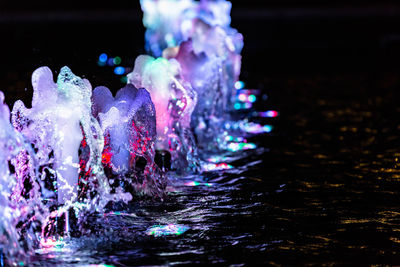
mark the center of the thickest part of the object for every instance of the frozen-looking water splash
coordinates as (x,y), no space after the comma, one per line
(59,125)
(75,151)
(10,145)
(208,51)
(60,113)
(174,100)
(21,207)
(128,122)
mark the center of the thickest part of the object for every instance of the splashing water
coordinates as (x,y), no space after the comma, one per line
(170,22)
(44,187)
(76,151)
(10,145)
(21,207)
(208,51)
(174,101)
(57,109)
(129,126)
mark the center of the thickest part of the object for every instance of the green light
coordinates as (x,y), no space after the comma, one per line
(237,106)
(252,98)
(117,60)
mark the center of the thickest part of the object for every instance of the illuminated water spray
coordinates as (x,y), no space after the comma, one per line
(128,122)
(60,115)
(10,145)
(74,151)
(208,51)
(174,100)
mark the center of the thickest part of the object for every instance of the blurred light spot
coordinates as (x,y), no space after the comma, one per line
(267,128)
(117,61)
(247,105)
(228,138)
(217,159)
(103,58)
(101,64)
(255,128)
(216,166)
(252,98)
(237,106)
(240,139)
(119,70)
(110,62)
(242,97)
(170,229)
(192,183)
(234,147)
(268,114)
(239,85)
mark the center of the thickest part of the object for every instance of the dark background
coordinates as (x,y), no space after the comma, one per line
(281,37)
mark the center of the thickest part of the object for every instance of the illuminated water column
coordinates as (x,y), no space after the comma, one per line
(174,101)
(60,113)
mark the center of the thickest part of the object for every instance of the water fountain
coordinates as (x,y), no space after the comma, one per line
(10,145)
(174,101)
(75,151)
(198,35)
(128,122)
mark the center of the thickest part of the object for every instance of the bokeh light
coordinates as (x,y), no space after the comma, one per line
(239,85)
(117,60)
(103,58)
(119,70)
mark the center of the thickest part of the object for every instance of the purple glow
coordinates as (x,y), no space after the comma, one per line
(174,100)
(198,35)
